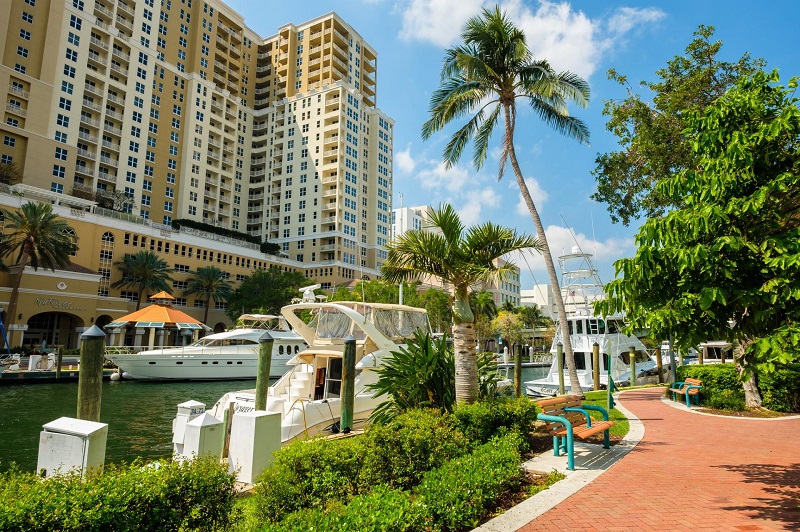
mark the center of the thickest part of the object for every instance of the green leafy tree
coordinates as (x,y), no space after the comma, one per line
(726,263)
(373,291)
(509,326)
(38,238)
(10,174)
(482,302)
(533,317)
(266,291)
(653,146)
(211,284)
(484,78)
(462,258)
(145,272)
(438,304)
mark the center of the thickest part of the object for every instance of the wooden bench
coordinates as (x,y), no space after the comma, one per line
(566,418)
(688,388)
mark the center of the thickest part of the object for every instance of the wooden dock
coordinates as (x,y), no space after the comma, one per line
(20,376)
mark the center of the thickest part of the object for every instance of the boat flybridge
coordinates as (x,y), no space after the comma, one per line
(308,395)
(229,355)
(580,287)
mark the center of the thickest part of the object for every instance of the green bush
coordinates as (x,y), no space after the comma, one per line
(780,390)
(721,386)
(384,509)
(398,454)
(461,493)
(196,495)
(309,474)
(482,421)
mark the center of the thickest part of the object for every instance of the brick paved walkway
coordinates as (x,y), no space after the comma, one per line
(691,472)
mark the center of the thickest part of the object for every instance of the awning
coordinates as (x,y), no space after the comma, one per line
(150,324)
(193,326)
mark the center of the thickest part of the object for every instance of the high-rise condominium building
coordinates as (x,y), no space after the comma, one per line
(187,111)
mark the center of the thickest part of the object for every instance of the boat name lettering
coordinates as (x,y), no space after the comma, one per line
(241,407)
(56,303)
(197,411)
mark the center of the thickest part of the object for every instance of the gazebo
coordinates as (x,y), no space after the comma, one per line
(159,319)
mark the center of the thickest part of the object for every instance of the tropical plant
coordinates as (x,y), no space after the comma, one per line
(461,258)
(482,302)
(145,272)
(210,283)
(420,375)
(38,238)
(509,326)
(485,77)
(10,174)
(532,315)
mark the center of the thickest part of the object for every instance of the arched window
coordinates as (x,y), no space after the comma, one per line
(71,231)
(108,237)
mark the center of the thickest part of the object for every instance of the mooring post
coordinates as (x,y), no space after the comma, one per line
(560,359)
(632,361)
(348,384)
(518,371)
(596,365)
(59,359)
(659,365)
(90,377)
(265,343)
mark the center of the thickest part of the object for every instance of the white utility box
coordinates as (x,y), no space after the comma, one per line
(68,443)
(186,412)
(203,436)
(254,437)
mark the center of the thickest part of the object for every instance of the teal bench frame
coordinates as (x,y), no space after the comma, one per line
(576,426)
(683,388)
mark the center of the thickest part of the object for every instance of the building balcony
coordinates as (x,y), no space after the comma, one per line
(17,110)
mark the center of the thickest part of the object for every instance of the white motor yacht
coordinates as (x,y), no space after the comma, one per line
(228,355)
(308,395)
(580,287)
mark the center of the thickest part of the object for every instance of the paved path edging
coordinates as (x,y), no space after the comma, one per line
(591,461)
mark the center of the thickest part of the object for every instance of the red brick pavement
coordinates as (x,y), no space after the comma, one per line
(691,472)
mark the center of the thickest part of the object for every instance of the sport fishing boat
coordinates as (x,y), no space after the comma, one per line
(308,395)
(228,355)
(580,287)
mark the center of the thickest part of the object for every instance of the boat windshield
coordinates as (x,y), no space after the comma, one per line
(399,323)
(331,323)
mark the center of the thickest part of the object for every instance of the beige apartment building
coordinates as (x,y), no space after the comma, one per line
(187,111)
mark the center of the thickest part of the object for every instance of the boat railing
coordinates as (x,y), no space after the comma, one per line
(120,350)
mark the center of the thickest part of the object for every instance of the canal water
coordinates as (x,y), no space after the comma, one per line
(139,415)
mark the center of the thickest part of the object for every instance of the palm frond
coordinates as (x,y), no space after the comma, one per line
(482,136)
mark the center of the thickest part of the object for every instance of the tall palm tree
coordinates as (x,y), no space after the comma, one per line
(532,315)
(144,271)
(211,283)
(482,302)
(38,237)
(484,77)
(461,258)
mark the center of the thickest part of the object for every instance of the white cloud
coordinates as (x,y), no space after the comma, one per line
(538,195)
(628,18)
(437,21)
(437,177)
(404,162)
(474,202)
(566,37)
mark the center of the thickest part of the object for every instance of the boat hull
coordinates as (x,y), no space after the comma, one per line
(195,367)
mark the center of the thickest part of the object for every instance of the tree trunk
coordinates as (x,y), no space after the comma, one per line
(205,314)
(139,300)
(752,397)
(466,363)
(548,257)
(11,315)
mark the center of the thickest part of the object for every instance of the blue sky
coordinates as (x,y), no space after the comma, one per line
(586,37)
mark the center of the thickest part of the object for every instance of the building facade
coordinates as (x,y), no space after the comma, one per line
(176,109)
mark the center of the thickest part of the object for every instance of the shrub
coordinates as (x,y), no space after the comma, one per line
(721,386)
(780,389)
(398,454)
(460,493)
(195,495)
(309,474)
(384,509)
(484,420)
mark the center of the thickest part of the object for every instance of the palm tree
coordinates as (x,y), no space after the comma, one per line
(533,316)
(484,77)
(144,271)
(39,237)
(209,282)
(482,302)
(461,258)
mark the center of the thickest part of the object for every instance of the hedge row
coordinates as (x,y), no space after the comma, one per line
(196,495)
(398,455)
(455,496)
(780,389)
